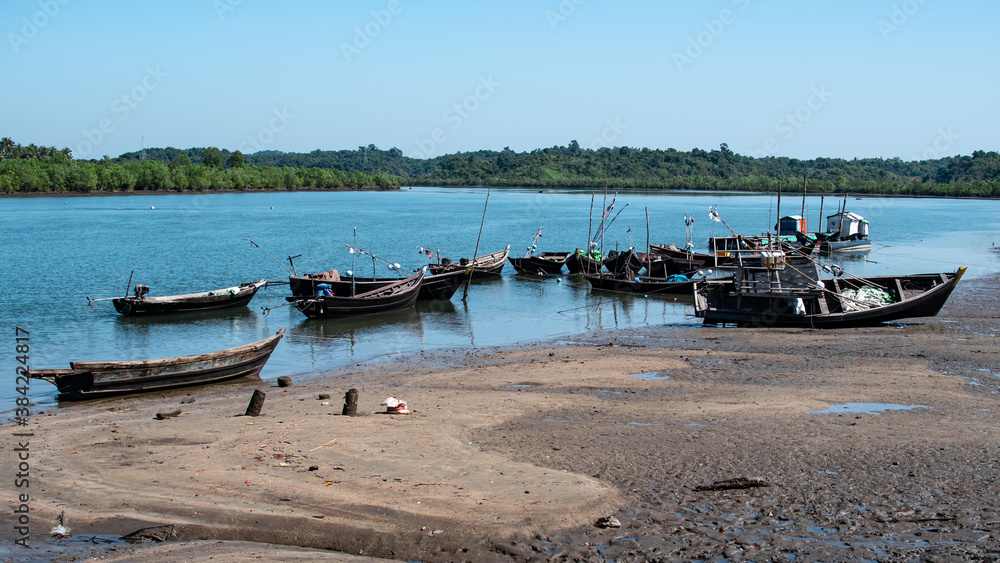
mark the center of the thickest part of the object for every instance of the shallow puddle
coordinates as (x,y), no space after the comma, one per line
(652,374)
(866,408)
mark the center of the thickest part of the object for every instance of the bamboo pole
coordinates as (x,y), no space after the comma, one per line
(468,282)
(649,260)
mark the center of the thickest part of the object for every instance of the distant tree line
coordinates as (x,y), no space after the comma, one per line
(39,169)
(33,169)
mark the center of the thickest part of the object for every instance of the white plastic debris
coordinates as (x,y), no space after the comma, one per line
(395,406)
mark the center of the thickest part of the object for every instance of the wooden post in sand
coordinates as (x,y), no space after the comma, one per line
(350,403)
(256,403)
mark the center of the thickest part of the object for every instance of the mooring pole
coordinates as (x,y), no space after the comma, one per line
(468,281)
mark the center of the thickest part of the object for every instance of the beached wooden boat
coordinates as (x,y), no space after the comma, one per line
(142,304)
(645,285)
(771,289)
(543,263)
(437,287)
(487,265)
(579,262)
(93,379)
(397,295)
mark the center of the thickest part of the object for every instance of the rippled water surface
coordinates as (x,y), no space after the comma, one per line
(60,250)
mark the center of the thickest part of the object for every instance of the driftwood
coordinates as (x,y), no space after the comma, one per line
(170,414)
(736,483)
(153,533)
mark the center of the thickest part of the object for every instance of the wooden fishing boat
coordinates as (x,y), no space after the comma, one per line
(487,265)
(580,262)
(543,263)
(397,295)
(771,289)
(672,251)
(845,232)
(437,287)
(93,379)
(679,284)
(142,304)
(618,262)
(659,266)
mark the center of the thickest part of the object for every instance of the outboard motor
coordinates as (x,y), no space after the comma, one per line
(141,291)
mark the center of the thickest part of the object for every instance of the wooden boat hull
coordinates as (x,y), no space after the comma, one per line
(438,287)
(640,284)
(489,265)
(708,260)
(920,295)
(544,264)
(856,245)
(94,379)
(195,302)
(397,295)
(618,262)
(666,266)
(580,263)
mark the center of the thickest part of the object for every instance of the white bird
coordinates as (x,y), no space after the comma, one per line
(60,530)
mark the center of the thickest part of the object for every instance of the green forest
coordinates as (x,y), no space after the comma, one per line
(41,169)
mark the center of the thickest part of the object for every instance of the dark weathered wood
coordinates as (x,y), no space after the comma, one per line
(284,381)
(224,298)
(350,403)
(256,403)
(93,379)
(398,295)
(736,483)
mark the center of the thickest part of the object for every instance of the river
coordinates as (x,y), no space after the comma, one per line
(58,251)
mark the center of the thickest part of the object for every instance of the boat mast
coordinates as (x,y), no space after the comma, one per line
(472,266)
(353,254)
(842,213)
(803,196)
(778,224)
(649,260)
(590,225)
(820,214)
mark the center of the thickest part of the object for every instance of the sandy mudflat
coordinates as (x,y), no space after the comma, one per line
(514,454)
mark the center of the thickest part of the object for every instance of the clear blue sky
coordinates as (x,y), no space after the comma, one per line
(851,78)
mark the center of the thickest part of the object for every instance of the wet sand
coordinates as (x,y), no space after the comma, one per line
(515,454)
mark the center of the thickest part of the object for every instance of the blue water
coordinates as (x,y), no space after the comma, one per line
(57,251)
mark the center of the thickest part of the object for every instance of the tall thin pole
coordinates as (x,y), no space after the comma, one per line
(590,225)
(354,253)
(604,211)
(820,214)
(468,281)
(129,286)
(778,224)
(648,259)
(842,213)
(803,196)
